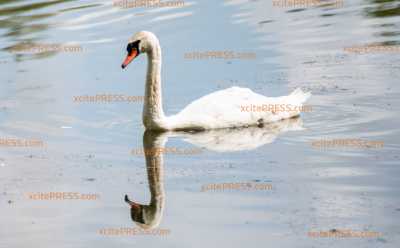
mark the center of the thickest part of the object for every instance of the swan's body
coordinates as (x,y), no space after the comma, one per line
(226,109)
(220,109)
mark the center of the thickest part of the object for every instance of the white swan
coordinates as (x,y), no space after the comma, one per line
(220,109)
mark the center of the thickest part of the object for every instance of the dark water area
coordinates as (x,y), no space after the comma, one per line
(88,146)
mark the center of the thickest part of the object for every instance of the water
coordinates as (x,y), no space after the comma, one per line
(87,146)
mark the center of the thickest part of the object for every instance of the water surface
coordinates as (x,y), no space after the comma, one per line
(88,145)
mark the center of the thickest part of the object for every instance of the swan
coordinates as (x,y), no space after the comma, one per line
(220,109)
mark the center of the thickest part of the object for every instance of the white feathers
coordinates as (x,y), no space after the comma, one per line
(237,107)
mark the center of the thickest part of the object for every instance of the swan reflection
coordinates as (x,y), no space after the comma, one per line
(222,140)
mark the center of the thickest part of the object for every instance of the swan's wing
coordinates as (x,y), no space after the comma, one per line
(218,109)
(227,108)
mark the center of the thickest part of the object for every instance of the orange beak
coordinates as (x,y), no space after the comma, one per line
(129,58)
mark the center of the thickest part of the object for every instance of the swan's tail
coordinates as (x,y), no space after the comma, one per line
(295,102)
(298,96)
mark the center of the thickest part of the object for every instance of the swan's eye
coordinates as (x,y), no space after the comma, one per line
(133,45)
(129,48)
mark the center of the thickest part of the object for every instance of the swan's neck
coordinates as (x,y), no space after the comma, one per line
(155,144)
(155,173)
(153,114)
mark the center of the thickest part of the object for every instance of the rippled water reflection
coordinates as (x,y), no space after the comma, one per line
(354,96)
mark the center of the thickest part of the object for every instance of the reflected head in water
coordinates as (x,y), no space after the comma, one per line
(136,212)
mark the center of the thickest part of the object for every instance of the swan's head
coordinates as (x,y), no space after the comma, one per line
(141,42)
(145,216)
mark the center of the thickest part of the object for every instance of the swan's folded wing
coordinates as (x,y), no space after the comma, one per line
(219,109)
(234,107)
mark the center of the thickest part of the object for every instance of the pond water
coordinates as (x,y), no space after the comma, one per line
(53,52)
